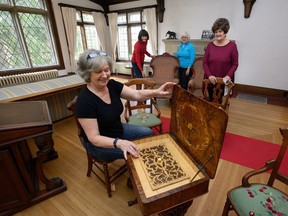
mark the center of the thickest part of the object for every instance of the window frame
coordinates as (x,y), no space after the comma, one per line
(54,34)
(82,25)
(129,25)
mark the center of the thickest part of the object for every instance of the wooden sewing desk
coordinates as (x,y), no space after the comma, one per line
(22,180)
(175,167)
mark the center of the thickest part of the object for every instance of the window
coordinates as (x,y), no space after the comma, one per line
(26,37)
(87,37)
(129,25)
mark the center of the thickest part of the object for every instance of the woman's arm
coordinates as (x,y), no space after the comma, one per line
(133,94)
(148,54)
(192,54)
(234,61)
(90,127)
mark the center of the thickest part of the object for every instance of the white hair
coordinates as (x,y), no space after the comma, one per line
(186,34)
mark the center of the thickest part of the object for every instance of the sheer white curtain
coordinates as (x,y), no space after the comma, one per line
(70,23)
(150,15)
(113,33)
(101,26)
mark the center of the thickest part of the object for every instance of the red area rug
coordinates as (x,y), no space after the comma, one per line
(245,151)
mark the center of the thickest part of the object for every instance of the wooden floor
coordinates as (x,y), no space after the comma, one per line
(87,195)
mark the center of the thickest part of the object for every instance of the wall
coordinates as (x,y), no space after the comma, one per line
(61,29)
(263,55)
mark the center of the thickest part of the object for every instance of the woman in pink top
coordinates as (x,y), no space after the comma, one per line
(221,55)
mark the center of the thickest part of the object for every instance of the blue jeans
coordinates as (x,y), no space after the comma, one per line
(137,72)
(130,132)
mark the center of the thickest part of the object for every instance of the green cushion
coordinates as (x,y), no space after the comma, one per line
(259,199)
(144,119)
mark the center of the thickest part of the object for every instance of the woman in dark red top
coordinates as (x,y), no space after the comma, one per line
(221,55)
(139,53)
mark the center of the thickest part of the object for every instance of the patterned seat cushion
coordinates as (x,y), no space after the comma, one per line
(144,119)
(260,200)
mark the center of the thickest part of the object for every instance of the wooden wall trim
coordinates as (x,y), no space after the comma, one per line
(260,90)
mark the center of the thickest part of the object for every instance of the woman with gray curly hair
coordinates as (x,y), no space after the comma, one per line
(99,107)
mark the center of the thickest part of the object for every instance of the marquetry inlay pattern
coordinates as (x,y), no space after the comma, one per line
(160,166)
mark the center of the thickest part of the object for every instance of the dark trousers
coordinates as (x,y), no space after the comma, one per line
(137,72)
(183,79)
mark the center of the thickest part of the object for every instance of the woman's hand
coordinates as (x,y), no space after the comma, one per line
(163,89)
(128,147)
(212,79)
(187,72)
(226,80)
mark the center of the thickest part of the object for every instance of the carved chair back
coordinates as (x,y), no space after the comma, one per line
(143,113)
(165,69)
(195,85)
(219,93)
(253,198)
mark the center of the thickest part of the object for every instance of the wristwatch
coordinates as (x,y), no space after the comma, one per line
(115,142)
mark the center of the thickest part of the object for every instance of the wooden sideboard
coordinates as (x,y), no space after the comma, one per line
(22,180)
(171,45)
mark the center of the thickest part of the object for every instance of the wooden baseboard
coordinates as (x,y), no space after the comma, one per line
(274,96)
(260,91)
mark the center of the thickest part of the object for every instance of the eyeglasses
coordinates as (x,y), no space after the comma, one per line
(94,54)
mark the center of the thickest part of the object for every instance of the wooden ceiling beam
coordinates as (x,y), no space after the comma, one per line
(106,3)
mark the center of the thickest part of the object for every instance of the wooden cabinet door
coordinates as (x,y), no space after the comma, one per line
(12,190)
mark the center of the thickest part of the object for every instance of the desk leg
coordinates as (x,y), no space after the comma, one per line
(178,210)
(132,73)
(45,145)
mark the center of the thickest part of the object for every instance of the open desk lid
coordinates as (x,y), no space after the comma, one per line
(199,127)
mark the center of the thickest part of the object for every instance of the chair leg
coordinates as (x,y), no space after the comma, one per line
(90,164)
(107,180)
(227,207)
(158,128)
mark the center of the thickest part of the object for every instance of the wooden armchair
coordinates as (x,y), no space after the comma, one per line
(261,199)
(219,94)
(165,68)
(195,85)
(143,113)
(101,168)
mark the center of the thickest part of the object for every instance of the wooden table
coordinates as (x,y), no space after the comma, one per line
(174,168)
(21,173)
